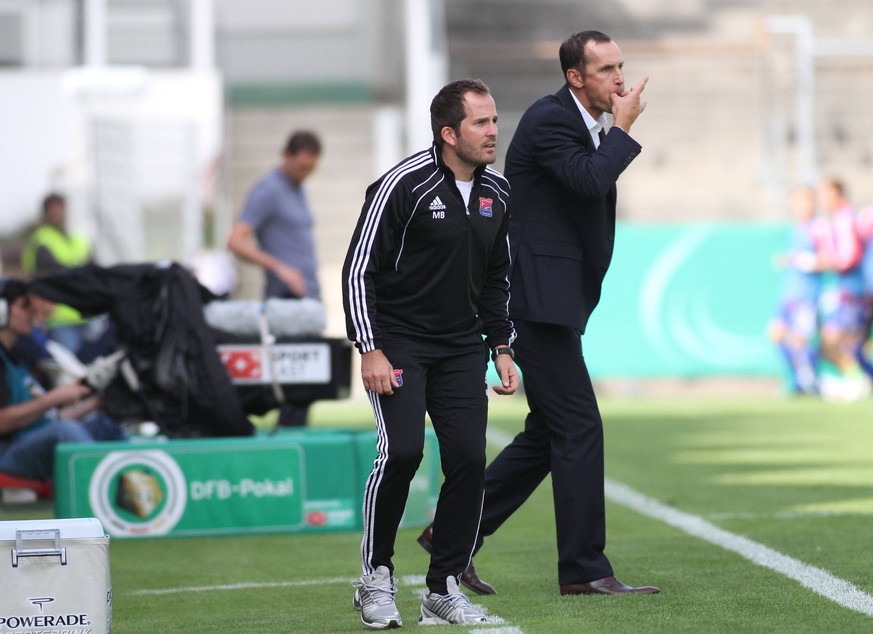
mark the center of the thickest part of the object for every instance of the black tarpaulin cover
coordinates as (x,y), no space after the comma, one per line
(158,315)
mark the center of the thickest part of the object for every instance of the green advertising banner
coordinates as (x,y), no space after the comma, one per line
(185,487)
(687,300)
(296,481)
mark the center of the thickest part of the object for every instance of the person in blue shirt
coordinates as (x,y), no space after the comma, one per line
(794,327)
(275,232)
(34,418)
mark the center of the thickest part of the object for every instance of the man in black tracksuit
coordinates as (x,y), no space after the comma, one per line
(425,277)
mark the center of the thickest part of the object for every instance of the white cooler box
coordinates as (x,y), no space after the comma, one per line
(55,577)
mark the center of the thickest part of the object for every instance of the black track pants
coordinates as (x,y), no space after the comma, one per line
(449,384)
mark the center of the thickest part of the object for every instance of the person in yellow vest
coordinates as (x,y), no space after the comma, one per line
(49,249)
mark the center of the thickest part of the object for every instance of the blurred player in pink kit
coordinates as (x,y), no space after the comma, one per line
(841,305)
(865,230)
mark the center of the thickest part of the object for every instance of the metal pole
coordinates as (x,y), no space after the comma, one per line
(804,103)
(806,121)
(806,52)
(201,35)
(426,63)
(95,26)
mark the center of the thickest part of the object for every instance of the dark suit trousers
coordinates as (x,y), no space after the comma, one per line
(563,434)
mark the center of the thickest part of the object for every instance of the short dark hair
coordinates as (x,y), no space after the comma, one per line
(447,108)
(12,288)
(303,141)
(53,198)
(836,184)
(572,51)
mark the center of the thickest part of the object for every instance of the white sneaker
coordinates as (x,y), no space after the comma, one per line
(374,598)
(446,609)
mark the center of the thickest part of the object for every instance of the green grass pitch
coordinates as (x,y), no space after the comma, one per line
(794,476)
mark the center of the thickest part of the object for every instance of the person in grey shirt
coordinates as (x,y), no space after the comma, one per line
(274,230)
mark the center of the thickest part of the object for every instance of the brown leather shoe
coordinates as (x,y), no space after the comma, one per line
(607,585)
(469,578)
(426,539)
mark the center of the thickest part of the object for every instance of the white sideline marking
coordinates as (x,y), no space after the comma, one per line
(417,586)
(816,579)
(245,586)
(414,580)
(407,580)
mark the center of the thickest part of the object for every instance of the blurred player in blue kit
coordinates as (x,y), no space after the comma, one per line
(794,327)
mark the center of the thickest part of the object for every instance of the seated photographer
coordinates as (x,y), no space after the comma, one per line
(33,417)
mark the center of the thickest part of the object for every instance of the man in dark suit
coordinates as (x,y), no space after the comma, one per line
(563,171)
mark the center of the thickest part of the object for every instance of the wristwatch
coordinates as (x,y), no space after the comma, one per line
(502,350)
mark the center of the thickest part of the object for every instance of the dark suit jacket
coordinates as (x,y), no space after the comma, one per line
(562,228)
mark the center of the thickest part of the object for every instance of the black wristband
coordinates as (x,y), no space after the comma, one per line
(502,350)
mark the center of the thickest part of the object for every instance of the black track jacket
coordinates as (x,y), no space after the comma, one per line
(421,265)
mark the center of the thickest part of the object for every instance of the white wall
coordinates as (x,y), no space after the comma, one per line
(281,41)
(173,120)
(43,143)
